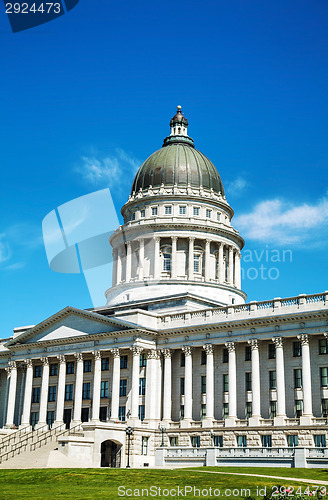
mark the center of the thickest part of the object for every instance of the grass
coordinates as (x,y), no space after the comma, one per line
(85,484)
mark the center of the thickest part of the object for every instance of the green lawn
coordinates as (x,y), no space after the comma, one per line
(104,483)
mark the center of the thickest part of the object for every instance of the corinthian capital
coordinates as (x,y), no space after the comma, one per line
(167,353)
(115,352)
(278,341)
(208,348)
(253,343)
(304,338)
(136,350)
(231,346)
(186,349)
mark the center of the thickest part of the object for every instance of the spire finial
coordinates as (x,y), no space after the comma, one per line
(179,108)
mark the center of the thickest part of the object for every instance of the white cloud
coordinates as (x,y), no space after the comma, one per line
(282,222)
(15,266)
(235,187)
(5,251)
(110,171)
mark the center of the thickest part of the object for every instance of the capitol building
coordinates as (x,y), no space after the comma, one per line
(177,368)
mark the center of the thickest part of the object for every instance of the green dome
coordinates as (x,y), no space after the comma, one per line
(178,163)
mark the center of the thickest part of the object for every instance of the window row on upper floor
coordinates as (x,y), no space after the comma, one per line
(178,210)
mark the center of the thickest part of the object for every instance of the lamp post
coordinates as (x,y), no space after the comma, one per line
(162,429)
(129,432)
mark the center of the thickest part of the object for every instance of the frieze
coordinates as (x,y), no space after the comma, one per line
(71,347)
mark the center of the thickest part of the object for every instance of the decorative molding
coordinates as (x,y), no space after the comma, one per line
(153,354)
(28,363)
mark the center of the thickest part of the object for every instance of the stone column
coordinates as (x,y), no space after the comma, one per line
(151,385)
(141,258)
(237,271)
(174,257)
(188,387)
(232,377)
(12,370)
(208,421)
(27,394)
(115,385)
(221,264)
(280,419)
(191,259)
(207,259)
(231,266)
(128,262)
(256,394)
(78,389)
(60,392)
(157,270)
(118,266)
(114,270)
(44,394)
(306,380)
(96,387)
(167,397)
(136,351)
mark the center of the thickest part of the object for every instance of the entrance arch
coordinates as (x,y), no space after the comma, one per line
(110,453)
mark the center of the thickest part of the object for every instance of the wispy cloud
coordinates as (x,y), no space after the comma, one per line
(109,171)
(18,241)
(14,267)
(5,251)
(235,187)
(283,222)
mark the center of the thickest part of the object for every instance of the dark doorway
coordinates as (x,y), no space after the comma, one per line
(103,413)
(85,415)
(110,454)
(67,417)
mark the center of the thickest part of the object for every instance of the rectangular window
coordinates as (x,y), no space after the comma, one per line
(121,413)
(182,210)
(248,381)
(154,210)
(123,362)
(271,351)
(182,386)
(70,367)
(181,412)
(141,412)
(323,346)
(143,360)
(248,353)
(292,440)
(203,358)
(272,380)
(203,384)
(123,382)
(196,263)
(144,445)
(195,441)
(225,410)
(320,440)
(195,211)
(297,349)
(85,414)
(248,410)
(34,418)
(298,408)
(218,441)
(182,359)
(266,440)
(50,418)
(208,213)
(273,409)
(53,370)
(142,386)
(68,392)
(168,210)
(242,441)
(38,371)
(87,365)
(104,389)
(225,355)
(218,216)
(298,378)
(52,391)
(104,364)
(133,216)
(202,411)
(103,413)
(324,377)
(36,394)
(167,262)
(324,408)
(174,441)
(225,382)
(86,390)
(142,213)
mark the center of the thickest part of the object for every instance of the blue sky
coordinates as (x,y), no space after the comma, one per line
(86,98)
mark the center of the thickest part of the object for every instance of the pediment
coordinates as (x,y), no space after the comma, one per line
(71,323)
